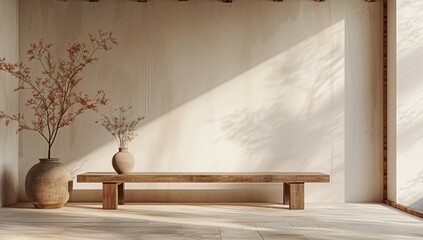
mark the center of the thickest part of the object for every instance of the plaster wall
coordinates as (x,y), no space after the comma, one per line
(247,86)
(409,107)
(392,103)
(9,43)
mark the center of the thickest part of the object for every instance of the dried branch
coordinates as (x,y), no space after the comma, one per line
(54,99)
(117,123)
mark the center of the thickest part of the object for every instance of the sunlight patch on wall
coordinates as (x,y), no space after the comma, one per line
(285,114)
(409,87)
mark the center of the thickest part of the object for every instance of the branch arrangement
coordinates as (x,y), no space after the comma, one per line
(117,123)
(54,99)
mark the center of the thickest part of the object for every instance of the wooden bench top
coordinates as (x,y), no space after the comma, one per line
(204,177)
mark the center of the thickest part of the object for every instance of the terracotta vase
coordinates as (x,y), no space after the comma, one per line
(123,161)
(48,184)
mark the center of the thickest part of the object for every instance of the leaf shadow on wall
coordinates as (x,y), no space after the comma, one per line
(277,135)
(411,193)
(409,99)
(171,87)
(178,53)
(299,126)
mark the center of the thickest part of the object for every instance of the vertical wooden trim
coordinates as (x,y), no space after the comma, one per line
(385,100)
(296,196)
(286,193)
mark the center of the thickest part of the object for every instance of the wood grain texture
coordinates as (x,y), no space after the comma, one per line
(385,101)
(296,196)
(121,194)
(110,200)
(404,208)
(226,177)
(286,194)
(114,184)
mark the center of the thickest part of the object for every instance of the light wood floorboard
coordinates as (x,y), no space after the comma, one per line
(250,221)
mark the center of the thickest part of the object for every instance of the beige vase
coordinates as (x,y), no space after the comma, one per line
(123,161)
(48,184)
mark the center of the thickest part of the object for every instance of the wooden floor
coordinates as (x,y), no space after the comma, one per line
(209,221)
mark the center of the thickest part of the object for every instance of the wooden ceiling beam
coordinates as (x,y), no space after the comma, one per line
(230,1)
(325,0)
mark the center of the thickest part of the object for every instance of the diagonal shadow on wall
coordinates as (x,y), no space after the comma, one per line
(177,60)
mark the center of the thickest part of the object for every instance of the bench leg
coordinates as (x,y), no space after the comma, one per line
(121,194)
(110,198)
(296,195)
(286,193)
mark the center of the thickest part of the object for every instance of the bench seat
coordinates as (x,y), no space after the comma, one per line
(114,190)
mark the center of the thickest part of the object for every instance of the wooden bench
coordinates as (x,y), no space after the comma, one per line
(114,188)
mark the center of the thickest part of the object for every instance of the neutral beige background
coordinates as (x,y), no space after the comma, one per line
(392,108)
(406,83)
(249,86)
(9,43)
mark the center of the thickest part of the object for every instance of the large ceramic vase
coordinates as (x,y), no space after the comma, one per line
(123,161)
(48,184)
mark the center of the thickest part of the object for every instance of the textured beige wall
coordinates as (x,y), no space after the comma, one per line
(248,86)
(363,103)
(409,105)
(9,42)
(392,103)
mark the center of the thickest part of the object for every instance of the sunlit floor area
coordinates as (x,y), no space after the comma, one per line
(209,221)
